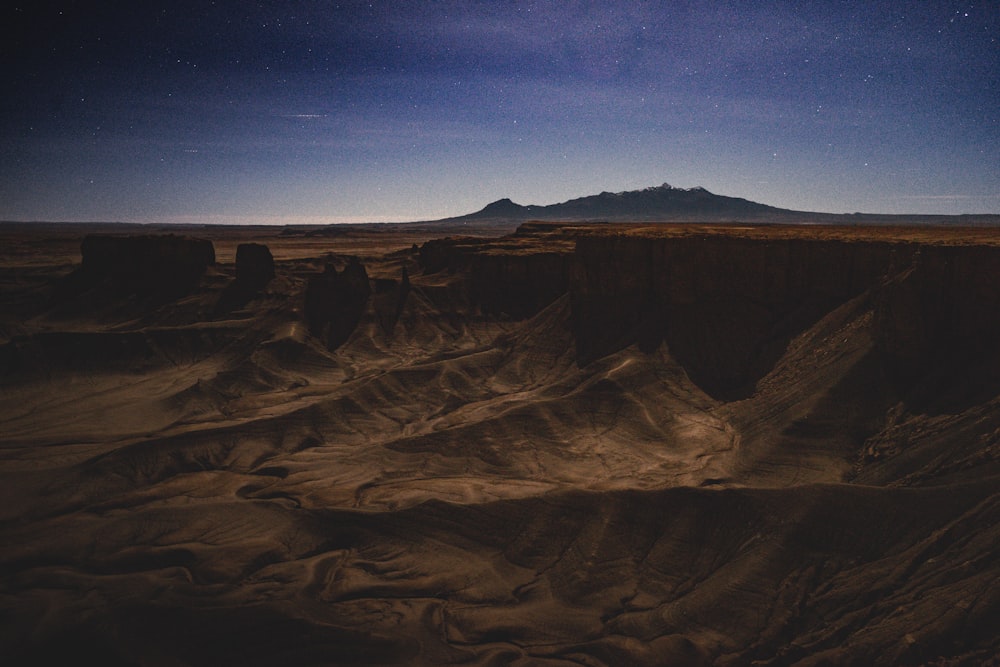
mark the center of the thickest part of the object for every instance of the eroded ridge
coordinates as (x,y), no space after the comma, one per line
(577,444)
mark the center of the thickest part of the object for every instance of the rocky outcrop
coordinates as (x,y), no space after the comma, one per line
(390,299)
(505,277)
(518,285)
(335,301)
(254,270)
(728,304)
(161,265)
(937,324)
(447,254)
(254,265)
(726,307)
(660,203)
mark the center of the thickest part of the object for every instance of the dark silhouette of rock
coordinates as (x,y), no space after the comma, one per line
(518,285)
(390,299)
(254,265)
(727,307)
(503,278)
(254,270)
(159,265)
(334,302)
(937,323)
(663,202)
(448,254)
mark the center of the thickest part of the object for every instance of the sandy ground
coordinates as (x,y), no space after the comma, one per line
(184,486)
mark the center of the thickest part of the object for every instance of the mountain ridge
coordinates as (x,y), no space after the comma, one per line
(652,203)
(657,204)
(668,204)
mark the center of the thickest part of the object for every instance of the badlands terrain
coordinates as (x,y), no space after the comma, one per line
(574,444)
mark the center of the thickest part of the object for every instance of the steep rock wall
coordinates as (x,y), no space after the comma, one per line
(335,301)
(503,277)
(518,285)
(254,270)
(389,299)
(726,306)
(167,265)
(937,324)
(254,265)
(447,254)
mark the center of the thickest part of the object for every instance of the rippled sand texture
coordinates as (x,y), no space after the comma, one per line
(688,447)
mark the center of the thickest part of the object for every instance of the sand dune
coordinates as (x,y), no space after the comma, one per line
(730,457)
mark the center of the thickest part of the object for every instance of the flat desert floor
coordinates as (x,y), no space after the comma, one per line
(580,445)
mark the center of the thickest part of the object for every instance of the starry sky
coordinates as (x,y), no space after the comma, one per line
(318,112)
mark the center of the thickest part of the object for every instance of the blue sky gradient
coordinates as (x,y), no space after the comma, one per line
(324,112)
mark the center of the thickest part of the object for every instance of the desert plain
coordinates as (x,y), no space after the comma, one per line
(568,444)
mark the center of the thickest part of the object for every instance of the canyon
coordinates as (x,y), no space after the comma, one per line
(574,443)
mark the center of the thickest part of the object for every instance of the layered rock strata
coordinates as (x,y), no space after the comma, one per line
(727,305)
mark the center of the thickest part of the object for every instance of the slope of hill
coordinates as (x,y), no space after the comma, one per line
(657,203)
(665,203)
(591,444)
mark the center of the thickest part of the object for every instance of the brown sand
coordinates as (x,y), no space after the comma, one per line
(184,485)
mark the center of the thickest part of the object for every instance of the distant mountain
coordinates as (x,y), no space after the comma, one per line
(664,202)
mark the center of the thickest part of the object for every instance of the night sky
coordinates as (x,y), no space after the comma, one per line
(291,112)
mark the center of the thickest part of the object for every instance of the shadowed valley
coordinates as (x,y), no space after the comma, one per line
(597,444)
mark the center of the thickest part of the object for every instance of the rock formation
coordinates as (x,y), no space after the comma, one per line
(254,270)
(446,254)
(390,299)
(937,322)
(335,301)
(518,285)
(503,278)
(726,307)
(254,265)
(479,476)
(160,265)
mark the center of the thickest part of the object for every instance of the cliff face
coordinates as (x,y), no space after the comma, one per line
(518,285)
(181,483)
(165,265)
(389,300)
(937,323)
(335,301)
(254,265)
(726,307)
(445,254)
(503,277)
(254,270)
